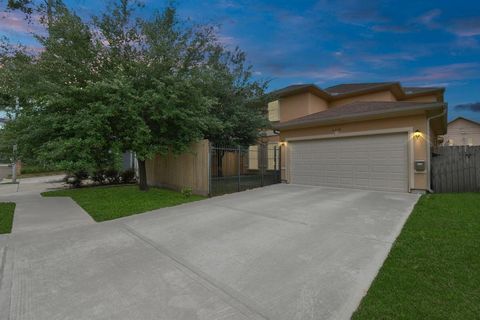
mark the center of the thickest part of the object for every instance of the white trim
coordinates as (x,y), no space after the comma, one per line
(351,134)
(410,146)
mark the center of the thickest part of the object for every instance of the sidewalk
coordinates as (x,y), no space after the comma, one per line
(33,213)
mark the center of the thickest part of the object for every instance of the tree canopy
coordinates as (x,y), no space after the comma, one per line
(151,85)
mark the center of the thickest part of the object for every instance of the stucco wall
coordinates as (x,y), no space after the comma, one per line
(413,122)
(460,131)
(300,105)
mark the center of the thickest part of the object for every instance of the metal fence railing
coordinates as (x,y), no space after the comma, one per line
(234,169)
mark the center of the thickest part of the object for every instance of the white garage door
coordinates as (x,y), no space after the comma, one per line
(377,162)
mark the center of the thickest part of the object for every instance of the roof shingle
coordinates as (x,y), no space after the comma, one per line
(358,109)
(342,90)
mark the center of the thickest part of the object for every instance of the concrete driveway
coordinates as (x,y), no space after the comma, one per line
(281,252)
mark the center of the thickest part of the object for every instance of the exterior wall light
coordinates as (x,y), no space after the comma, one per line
(417,134)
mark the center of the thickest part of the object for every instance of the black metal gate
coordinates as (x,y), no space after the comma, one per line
(456,169)
(234,169)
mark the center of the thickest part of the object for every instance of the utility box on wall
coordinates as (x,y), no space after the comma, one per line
(419,165)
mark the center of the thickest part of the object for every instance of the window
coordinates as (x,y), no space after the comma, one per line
(470,141)
(253,158)
(274,111)
(450,142)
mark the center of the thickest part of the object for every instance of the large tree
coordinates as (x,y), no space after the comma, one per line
(56,121)
(157,67)
(152,86)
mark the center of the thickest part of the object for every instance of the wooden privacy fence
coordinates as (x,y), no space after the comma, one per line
(455,169)
(210,170)
(179,171)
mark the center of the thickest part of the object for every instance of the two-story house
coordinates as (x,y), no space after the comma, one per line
(462,132)
(373,136)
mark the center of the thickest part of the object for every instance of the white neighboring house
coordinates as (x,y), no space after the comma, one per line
(462,132)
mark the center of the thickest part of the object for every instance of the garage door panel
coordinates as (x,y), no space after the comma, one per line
(369,162)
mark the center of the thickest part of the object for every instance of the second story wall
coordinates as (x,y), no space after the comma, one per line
(462,132)
(300,105)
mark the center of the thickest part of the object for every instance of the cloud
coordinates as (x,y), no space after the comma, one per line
(465,27)
(15,22)
(466,42)
(474,106)
(227,40)
(384,58)
(228,4)
(450,72)
(354,12)
(462,27)
(429,18)
(391,28)
(318,75)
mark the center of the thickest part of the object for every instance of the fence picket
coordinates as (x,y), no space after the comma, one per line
(455,169)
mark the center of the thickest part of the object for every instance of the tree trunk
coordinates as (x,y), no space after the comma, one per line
(142,175)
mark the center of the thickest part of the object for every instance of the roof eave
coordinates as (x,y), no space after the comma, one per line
(361,117)
(310,88)
(463,118)
(373,89)
(394,87)
(436,91)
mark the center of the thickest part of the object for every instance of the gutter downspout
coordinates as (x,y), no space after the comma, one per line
(429,150)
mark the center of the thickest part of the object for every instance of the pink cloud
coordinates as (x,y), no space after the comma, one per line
(429,17)
(450,72)
(465,27)
(16,22)
(320,75)
(462,27)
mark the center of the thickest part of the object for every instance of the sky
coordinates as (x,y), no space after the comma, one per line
(326,42)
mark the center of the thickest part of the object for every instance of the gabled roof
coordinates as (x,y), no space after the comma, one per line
(353,89)
(359,110)
(462,118)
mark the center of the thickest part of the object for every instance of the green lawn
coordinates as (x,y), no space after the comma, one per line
(6,216)
(433,269)
(112,202)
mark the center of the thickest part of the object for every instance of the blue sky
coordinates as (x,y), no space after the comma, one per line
(419,43)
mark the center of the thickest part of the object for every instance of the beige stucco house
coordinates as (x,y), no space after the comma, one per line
(462,132)
(365,135)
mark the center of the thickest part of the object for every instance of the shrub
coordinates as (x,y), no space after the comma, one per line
(128,176)
(112,176)
(186,192)
(98,176)
(31,169)
(75,179)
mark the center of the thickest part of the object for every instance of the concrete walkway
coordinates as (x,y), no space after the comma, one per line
(283,252)
(36,214)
